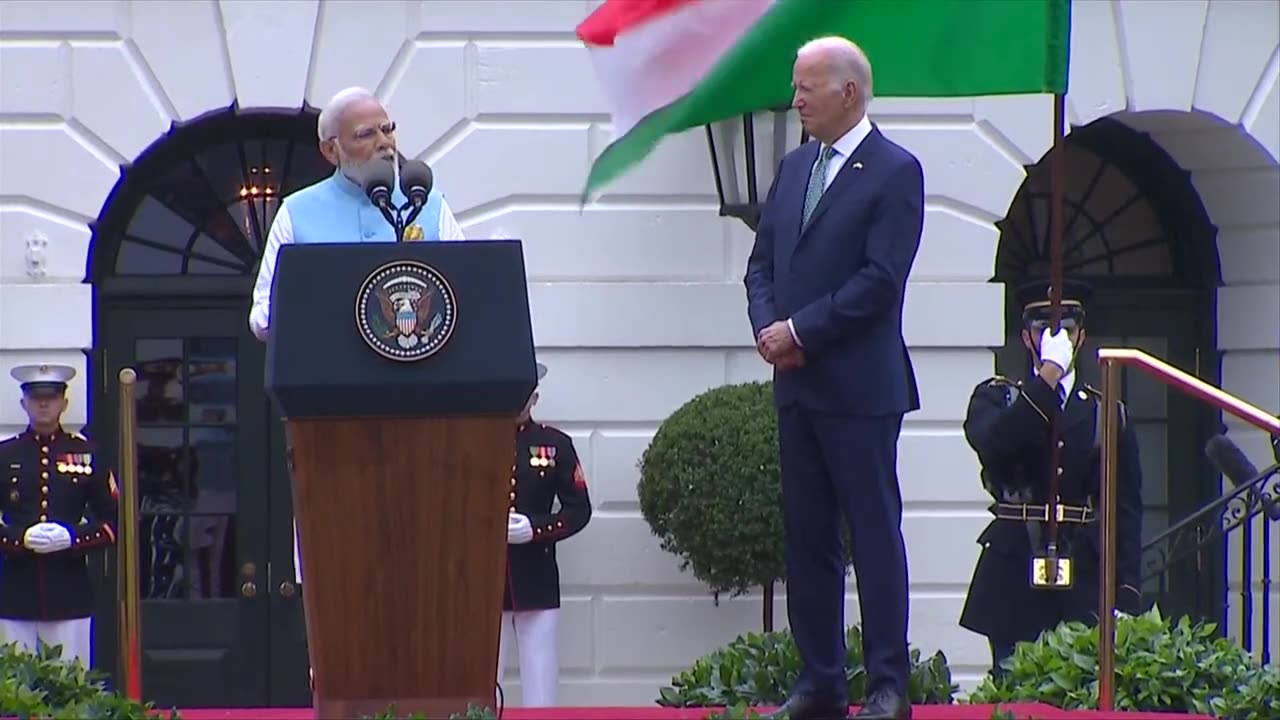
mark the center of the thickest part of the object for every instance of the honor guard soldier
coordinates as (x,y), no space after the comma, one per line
(58,502)
(1022,431)
(546,469)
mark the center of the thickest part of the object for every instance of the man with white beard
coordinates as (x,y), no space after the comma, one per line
(355,132)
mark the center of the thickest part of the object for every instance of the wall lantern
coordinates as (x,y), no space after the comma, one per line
(745,154)
(259,201)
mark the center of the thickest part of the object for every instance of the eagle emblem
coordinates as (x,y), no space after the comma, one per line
(405,311)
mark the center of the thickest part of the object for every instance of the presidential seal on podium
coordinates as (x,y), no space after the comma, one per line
(406,311)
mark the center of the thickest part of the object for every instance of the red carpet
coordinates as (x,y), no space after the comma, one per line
(920,712)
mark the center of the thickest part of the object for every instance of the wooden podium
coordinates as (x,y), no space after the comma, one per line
(399,370)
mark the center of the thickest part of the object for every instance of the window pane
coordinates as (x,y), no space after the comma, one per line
(211,367)
(164,482)
(161,385)
(206,209)
(210,538)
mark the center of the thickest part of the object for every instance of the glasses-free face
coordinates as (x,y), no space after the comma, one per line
(44,410)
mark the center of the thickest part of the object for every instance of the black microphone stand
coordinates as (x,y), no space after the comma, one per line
(395,215)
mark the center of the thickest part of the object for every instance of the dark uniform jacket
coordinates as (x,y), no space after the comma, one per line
(52,479)
(546,468)
(1008,425)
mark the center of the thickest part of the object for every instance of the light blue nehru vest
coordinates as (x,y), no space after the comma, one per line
(336,210)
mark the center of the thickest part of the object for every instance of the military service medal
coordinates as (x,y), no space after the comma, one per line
(542,456)
(78,463)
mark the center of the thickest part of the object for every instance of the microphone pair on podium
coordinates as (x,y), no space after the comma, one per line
(415,182)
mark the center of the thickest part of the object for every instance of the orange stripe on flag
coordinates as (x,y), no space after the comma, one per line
(615,17)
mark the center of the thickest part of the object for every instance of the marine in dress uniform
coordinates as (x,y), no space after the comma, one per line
(58,503)
(546,469)
(1022,430)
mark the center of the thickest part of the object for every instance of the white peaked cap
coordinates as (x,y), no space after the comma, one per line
(28,374)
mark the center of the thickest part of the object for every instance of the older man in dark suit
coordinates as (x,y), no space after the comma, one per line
(825,284)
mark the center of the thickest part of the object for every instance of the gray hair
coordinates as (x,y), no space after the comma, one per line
(848,62)
(331,115)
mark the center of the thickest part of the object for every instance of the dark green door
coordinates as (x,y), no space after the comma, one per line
(204,487)
(1171,429)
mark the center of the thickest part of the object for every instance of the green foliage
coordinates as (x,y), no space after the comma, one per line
(473,712)
(710,488)
(760,669)
(999,713)
(1160,666)
(41,685)
(741,711)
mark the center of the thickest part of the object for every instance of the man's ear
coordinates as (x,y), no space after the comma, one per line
(1026,340)
(23,403)
(329,148)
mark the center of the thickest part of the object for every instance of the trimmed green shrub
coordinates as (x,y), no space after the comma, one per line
(760,669)
(710,489)
(1160,666)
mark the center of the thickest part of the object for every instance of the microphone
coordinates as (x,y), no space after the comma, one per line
(1231,461)
(379,178)
(415,182)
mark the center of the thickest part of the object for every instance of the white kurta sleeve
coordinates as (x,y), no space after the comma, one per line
(281,233)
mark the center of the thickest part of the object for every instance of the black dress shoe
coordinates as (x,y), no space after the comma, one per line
(885,705)
(805,706)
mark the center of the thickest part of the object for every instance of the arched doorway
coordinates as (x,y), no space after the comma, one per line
(1138,233)
(173,259)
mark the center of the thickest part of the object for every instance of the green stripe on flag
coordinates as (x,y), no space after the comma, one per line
(917,48)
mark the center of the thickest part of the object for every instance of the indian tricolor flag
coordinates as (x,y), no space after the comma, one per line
(670,65)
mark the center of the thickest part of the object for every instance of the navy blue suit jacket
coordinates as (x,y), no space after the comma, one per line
(842,279)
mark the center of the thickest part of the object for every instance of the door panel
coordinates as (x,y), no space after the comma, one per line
(202,476)
(290,686)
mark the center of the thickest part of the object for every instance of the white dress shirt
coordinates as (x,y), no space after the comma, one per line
(281,232)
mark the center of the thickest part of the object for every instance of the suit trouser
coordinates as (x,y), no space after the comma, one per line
(75,636)
(834,465)
(537,637)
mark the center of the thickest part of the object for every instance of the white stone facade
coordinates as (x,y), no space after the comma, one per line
(500,98)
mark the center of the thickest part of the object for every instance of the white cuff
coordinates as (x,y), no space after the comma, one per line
(792,327)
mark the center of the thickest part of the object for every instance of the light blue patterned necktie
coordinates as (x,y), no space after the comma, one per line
(817,183)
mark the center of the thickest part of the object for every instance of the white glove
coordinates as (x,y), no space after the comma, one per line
(519,530)
(46,538)
(1056,348)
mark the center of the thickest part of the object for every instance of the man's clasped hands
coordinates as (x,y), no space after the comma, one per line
(778,346)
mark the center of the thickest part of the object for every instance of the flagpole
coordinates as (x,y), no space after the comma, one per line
(1057,181)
